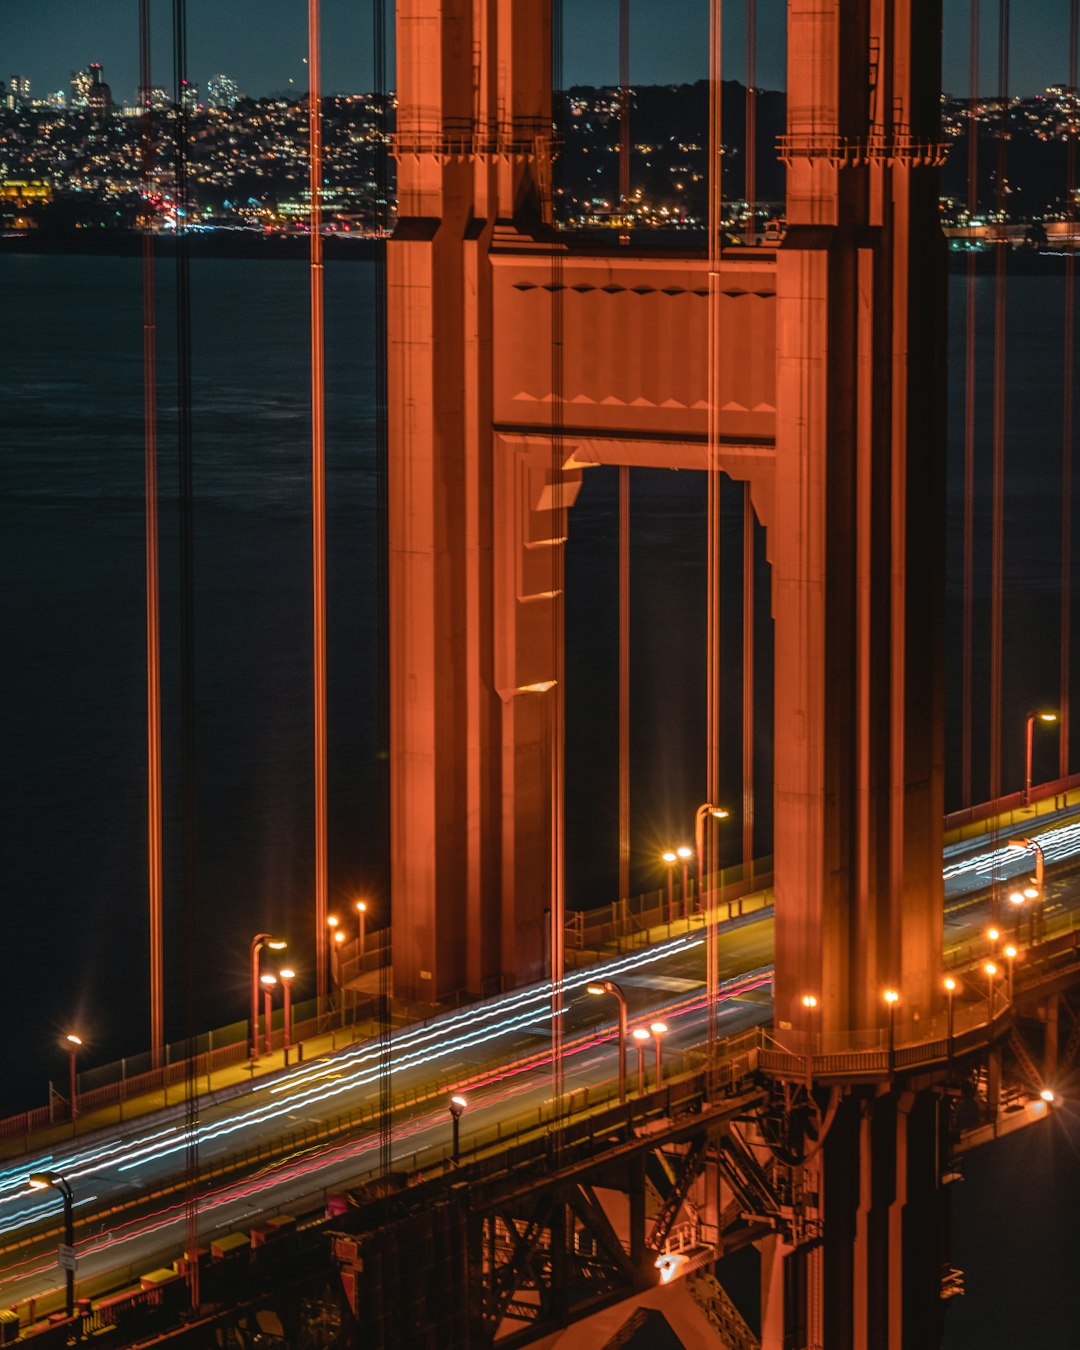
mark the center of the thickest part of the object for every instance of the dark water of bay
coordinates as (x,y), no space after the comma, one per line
(72,765)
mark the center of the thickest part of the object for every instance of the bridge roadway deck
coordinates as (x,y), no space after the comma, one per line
(290,1139)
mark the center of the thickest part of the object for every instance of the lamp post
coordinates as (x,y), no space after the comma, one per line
(892,998)
(1029,738)
(286,976)
(361,909)
(658,1029)
(717,813)
(950,992)
(993,936)
(640,1036)
(41,1181)
(671,858)
(258,942)
(73,1044)
(457,1106)
(685,854)
(1036,892)
(268,982)
(990,970)
(335,968)
(609,987)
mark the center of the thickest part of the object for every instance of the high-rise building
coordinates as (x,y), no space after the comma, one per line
(18,94)
(99,95)
(189,95)
(80,88)
(222,92)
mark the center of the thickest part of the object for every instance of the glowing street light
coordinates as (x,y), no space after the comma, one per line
(950,993)
(671,858)
(685,854)
(1048,1096)
(286,976)
(658,1030)
(892,998)
(1035,891)
(1047,718)
(258,942)
(609,987)
(990,970)
(993,936)
(457,1106)
(361,909)
(41,1181)
(73,1044)
(704,811)
(640,1036)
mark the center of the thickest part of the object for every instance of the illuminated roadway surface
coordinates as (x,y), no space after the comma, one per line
(663,980)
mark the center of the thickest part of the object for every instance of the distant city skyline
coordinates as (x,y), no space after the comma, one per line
(261,44)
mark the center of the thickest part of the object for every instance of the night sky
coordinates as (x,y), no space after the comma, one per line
(261,43)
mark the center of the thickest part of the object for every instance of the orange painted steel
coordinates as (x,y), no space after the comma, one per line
(155,863)
(997,523)
(318,497)
(708,861)
(967,672)
(1069,349)
(748,684)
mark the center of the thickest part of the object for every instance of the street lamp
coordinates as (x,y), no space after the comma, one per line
(671,858)
(258,942)
(457,1106)
(41,1181)
(73,1044)
(361,909)
(286,976)
(990,971)
(640,1036)
(993,936)
(335,967)
(685,854)
(658,1029)
(950,992)
(1029,737)
(268,982)
(1034,892)
(704,810)
(609,987)
(892,998)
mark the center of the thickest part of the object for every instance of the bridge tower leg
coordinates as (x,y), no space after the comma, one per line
(859,529)
(470,773)
(858,585)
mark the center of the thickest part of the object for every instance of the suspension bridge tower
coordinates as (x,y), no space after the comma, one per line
(516,360)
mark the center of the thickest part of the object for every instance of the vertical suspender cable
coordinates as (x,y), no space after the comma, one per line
(556,695)
(155,864)
(624,495)
(750,148)
(318,500)
(382,192)
(998,508)
(966,664)
(188,794)
(1067,410)
(709,878)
